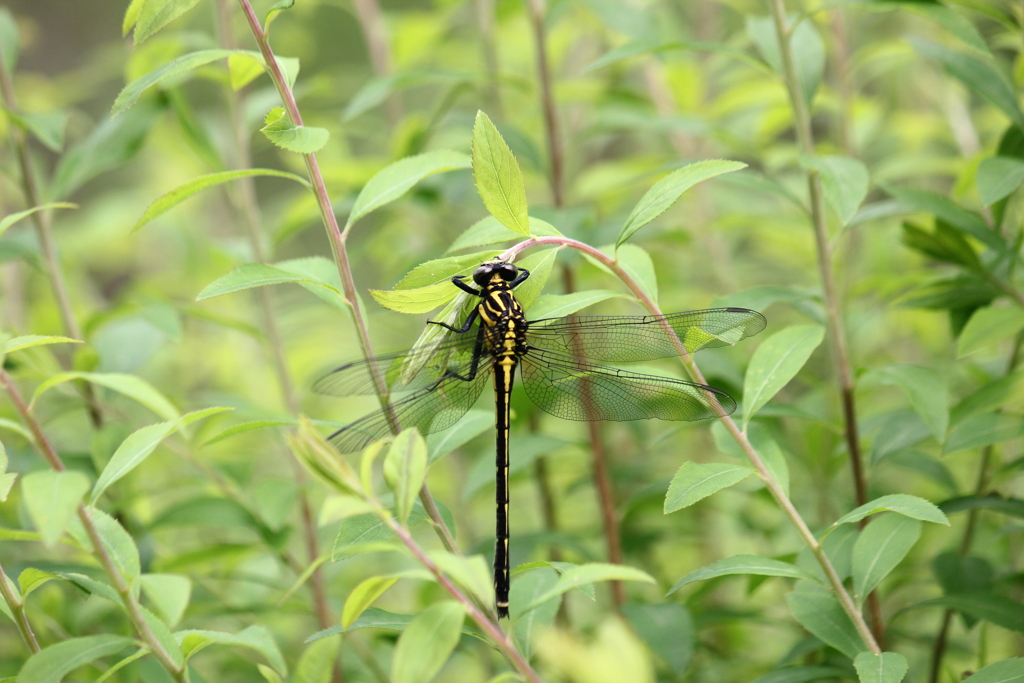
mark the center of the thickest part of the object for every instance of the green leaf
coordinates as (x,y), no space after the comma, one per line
(51,664)
(488,230)
(31,578)
(1008,506)
(316,663)
(244,427)
(980,75)
(801,674)
(927,392)
(589,573)
(996,609)
(416,301)
(8,39)
(499,181)
(950,212)
(277,8)
(130,454)
(168,593)
(807,49)
(823,616)
(255,638)
(118,543)
(52,498)
(162,633)
(475,422)
(844,180)
(743,564)
(323,279)
(668,630)
(983,430)
(526,588)
(46,127)
(471,573)
(405,469)
(441,271)
(1005,671)
(770,452)
(131,15)
(997,177)
(183,192)
(131,93)
(13,218)
(426,643)
(900,503)
(131,386)
(30,340)
(775,363)
(990,396)
(364,595)
(280,130)
(557,305)
(666,191)
(880,547)
(988,327)
(696,481)
(539,264)
(156,14)
(398,178)
(887,667)
(249,275)
(637,263)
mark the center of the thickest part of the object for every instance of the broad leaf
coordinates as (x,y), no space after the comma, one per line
(52,498)
(183,192)
(119,544)
(51,664)
(823,616)
(526,588)
(666,191)
(881,546)
(168,593)
(131,92)
(900,503)
(808,51)
(696,481)
(557,305)
(775,363)
(499,181)
(426,643)
(950,212)
(131,386)
(249,275)
(398,178)
(887,667)
(988,327)
(990,607)
(280,130)
(743,564)
(156,14)
(997,177)
(983,430)
(416,301)
(363,595)
(405,468)
(470,573)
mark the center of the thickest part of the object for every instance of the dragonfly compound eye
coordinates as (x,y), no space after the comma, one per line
(508,272)
(482,275)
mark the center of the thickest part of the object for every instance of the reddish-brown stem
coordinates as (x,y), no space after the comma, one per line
(536,12)
(17,608)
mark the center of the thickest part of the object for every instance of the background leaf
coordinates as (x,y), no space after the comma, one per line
(775,363)
(426,643)
(696,481)
(498,178)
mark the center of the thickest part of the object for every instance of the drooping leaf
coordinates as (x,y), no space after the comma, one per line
(997,177)
(51,499)
(183,192)
(900,503)
(988,327)
(131,93)
(667,191)
(398,178)
(886,667)
(696,481)
(775,363)
(280,130)
(743,564)
(881,546)
(426,643)
(823,616)
(52,663)
(499,181)
(131,386)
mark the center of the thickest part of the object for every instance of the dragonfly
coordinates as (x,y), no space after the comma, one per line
(432,386)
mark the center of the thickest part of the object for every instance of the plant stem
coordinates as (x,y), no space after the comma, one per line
(371,21)
(981,483)
(338,247)
(837,332)
(17,608)
(252,219)
(44,230)
(836,584)
(485,28)
(536,11)
(132,607)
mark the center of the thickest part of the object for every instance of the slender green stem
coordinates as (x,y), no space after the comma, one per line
(132,607)
(738,435)
(338,247)
(17,608)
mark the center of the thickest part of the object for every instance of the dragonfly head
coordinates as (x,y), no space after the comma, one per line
(491,269)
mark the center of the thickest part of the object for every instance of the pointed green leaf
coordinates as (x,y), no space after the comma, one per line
(880,547)
(471,573)
(51,498)
(364,595)
(997,177)
(255,638)
(131,15)
(398,178)
(426,643)
(405,468)
(51,664)
(280,130)
(13,218)
(474,423)
(249,275)
(119,544)
(886,667)
(30,340)
(31,579)
(131,92)
(156,14)
(807,49)
(950,212)
(526,588)
(1005,671)
(996,609)
(183,192)
(589,573)
(416,301)
(168,593)
(539,264)
(637,263)
(775,363)
(900,503)
(316,664)
(988,327)
(131,386)
(499,181)
(130,454)
(488,230)
(696,481)
(743,564)
(667,191)
(823,616)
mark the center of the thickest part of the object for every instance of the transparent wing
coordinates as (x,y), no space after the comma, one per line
(402,371)
(574,389)
(625,338)
(432,408)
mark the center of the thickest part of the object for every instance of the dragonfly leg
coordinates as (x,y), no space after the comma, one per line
(523,274)
(457,281)
(460,330)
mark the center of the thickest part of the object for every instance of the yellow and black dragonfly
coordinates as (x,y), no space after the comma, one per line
(432,386)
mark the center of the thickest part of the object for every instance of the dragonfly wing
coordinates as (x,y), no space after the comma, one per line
(430,409)
(409,370)
(574,389)
(626,338)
